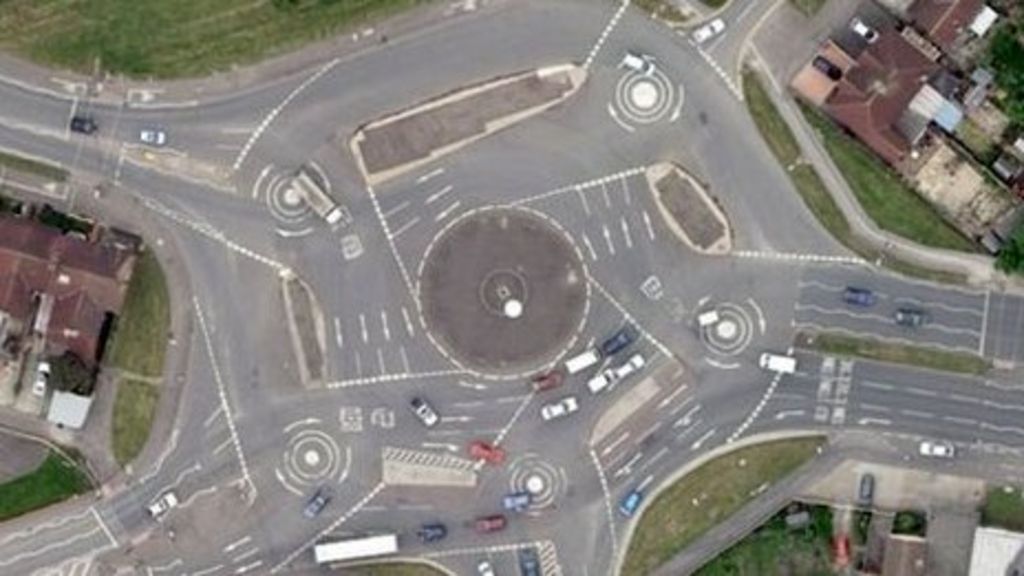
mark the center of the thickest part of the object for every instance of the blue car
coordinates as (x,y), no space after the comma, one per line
(629,504)
(517,501)
(617,342)
(861,297)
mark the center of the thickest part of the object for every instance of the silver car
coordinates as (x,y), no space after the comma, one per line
(153,137)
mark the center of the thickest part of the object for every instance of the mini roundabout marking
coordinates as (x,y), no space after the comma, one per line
(312,458)
(545,482)
(645,99)
(294,218)
(732,333)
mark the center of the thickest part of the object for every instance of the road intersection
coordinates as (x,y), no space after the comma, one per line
(251,442)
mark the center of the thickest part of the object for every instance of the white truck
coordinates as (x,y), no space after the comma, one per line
(777,363)
(306,186)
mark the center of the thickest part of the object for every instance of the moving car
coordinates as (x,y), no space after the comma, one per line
(484,568)
(869,34)
(316,504)
(639,63)
(480,450)
(487,524)
(546,381)
(153,137)
(937,449)
(529,562)
(559,409)
(629,504)
(861,297)
(582,361)
(709,31)
(432,532)
(163,504)
(911,317)
(424,411)
(42,379)
(617,342)
(517,501)
(83,124)
(777,363)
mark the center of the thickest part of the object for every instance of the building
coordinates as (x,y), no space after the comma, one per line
(905,556)
(65,289)
(951,23)
(997,551)
(68,410)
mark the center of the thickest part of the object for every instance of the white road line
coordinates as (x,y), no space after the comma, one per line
(439,194)
(607,501)
(960,420)
(877,385)
(448,211)
(875,408)
(212,417)
(71,114)
(615,444)
(608,239)
(359,364)
(405,227)
(984,323)
(103,525)
(625,233)
(339,338)
(631,319)
(362,329)
(700,441)
(380,361)
(384,325)
(604,35)
(668,399)
(590,247)
(430,176)
(515,416)
(249,567)
(391,242)
(210,570)
(648,225)
(405,359)
(245,555)
(237,544)
(408,323)
(626,195)
(583,200)
(607,198)
(384,378)
(917,413)
(396,209)
(46,549)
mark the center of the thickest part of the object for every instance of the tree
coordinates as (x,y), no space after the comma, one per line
(70,374)
(1011,256)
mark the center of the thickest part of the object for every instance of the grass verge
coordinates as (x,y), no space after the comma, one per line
(892,204)
(54,480)
(719,488)
(935,359)
(395,569)
(714,3)
(134,408)
(773,549)
(161,39)
(29,166)
(812,189)
(140,337)
(808,7)
(1004,508)
(662,9)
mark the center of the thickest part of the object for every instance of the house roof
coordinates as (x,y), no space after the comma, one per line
(69,410)
(905,556)
(995,551)
(86,281)
(942,21)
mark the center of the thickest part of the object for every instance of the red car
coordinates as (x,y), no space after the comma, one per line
(546,381)
(480,450)
(487,524)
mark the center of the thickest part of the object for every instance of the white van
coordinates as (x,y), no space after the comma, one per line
(778,363)
(582,361)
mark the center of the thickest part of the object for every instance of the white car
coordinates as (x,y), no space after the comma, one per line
(153,136)
(559,409)
(163,504)
(639,63)
(484,568)
(709,31)
(937,449)
(634,364)
(610,376)
(861,29)
(42,379)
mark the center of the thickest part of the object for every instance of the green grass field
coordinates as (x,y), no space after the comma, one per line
(53,481)
(396,569)
(163,39)
(134,408)
(35,167)
(775,550)
(933,358)
(808,7)
(140,337)
(720,487)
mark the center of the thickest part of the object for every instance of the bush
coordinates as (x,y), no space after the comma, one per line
(1011,256)
(910,522)
(70,374)
(1006,57)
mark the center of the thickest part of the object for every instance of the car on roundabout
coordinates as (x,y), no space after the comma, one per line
(316,504)
(517,501)
(639,63)
(489,453)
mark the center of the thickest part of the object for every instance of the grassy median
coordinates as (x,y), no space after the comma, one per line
(396,569)
(812,189)
(34,167)
(54,480)
(708,496)
(157,38)
(140,336)
(921,356)
(134,408)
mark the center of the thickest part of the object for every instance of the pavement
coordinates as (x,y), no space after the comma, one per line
(244,444)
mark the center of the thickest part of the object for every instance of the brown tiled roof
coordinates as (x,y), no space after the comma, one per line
(873,94)
(86,281)
(943,20)
(905,556)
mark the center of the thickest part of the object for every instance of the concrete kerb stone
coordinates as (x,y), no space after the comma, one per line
(658,171)
(696,463)
(404,560)
(293,329)
(575,74)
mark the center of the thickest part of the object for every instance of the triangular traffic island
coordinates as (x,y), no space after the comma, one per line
(692,214)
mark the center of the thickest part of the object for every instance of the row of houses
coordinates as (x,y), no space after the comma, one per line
(896,78)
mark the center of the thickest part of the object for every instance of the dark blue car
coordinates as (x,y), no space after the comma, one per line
(432,532)
(861,297)
(529,563)
(618,342)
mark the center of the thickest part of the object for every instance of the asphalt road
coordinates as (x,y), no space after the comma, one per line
(251,443)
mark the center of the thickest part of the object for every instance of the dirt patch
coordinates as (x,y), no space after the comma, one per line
(692,213)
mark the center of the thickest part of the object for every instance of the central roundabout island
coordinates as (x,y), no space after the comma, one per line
(504,291)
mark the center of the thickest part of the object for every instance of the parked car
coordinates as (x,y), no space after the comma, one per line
(316,504)
(480,450)
(559,409)
(631,502)
(42,379)
(861,297)
(484,568)
(937,449)
(435,532)
(826,67)
(869,34)
(582,361)
(618,341)
(517,501)
(424,411)
(639,63)
(493,523)
(163,504)
(83,124)
(546,381)
(153,137)
(866,489)
(529,562)
(911,317)
(709,31)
